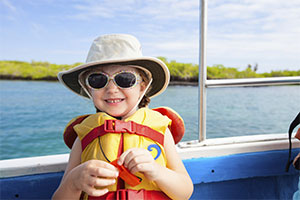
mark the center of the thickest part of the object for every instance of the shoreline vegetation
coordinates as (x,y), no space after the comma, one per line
(181,73)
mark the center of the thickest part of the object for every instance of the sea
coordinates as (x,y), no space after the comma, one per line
(33,114)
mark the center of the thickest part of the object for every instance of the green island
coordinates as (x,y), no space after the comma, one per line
(180,72)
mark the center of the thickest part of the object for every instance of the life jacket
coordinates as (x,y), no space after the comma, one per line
(177,127)
(105,138)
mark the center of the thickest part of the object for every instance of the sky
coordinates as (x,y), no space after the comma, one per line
(239,32)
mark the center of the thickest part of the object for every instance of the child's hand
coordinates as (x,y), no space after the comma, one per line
(140,160)
(91,174)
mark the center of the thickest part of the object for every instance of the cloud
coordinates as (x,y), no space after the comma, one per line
(68,52)
(86,12)
(165,27)
(239,32)
(174,45)
(9,12)
(156,9)
(9,5)
(91,9)
(187,10)
(243,32)
(37,30)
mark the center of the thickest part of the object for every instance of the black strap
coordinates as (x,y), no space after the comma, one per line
(293,125)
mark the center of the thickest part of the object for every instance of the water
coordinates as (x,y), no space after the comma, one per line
(33,114)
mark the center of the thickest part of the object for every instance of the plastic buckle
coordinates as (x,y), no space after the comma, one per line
(117,126)
(109,126)
(126,175)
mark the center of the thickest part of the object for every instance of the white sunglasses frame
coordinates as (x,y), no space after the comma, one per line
(112,77)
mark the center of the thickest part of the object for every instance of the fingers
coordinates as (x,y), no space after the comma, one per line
(91,191)
(128,155)
(135,159)
(92,174)
(100,182)
(98,168)
(107,170)
(102,164)
(139,164)
(140,160)
(101,173)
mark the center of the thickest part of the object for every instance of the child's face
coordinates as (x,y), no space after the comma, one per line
(113,100)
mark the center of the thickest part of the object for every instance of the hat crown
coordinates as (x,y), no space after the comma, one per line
(112,47)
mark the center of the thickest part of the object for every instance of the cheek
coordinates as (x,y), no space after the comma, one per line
(96,95)
(132,95)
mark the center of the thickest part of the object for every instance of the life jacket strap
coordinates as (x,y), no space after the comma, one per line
(118,126)
(127,194)
(177,126)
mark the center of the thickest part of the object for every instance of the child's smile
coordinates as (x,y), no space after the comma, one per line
(114,100)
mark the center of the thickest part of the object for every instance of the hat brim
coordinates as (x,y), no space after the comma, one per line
(159,71)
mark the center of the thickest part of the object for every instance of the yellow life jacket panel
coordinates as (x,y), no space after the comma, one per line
(105,138)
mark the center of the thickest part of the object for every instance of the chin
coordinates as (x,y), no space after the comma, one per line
(115,114)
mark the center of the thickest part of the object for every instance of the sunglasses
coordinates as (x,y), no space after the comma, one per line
(123,79)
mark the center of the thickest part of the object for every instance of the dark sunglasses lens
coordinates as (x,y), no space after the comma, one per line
(97,81)
(125,79)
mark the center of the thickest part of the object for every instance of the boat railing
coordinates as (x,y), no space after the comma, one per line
(243,82)
(204,83)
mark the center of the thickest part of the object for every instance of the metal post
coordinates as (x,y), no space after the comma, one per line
(202,73)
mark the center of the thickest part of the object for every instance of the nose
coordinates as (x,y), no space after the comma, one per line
(111,86)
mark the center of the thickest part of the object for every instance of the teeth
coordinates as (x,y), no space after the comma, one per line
(114,101)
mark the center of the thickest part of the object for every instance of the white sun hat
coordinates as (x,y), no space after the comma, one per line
(120,49)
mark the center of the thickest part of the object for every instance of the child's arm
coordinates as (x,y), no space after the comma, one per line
(173,180)
(83,177)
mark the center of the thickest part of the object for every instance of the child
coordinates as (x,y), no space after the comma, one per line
(123,134)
